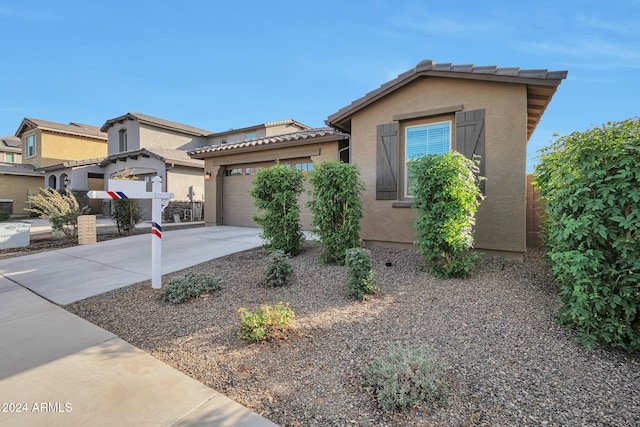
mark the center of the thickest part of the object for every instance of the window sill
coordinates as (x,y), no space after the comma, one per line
(402,204)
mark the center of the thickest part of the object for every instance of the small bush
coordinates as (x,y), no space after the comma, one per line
(279,270)
(407,377)
(360,283)
(265,321)
(191,285)
(4,215)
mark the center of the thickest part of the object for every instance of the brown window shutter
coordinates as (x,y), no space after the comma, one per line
(387,161)
(470,137)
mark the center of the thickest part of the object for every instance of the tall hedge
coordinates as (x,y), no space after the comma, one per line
(336,208)
(276,191)
(446,194)
(590,183)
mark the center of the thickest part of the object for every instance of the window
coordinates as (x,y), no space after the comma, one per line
(304,167)
(423,140)
(233,172)
(224,140)
(31,146)
(122,133)
(250,136)
(9,157)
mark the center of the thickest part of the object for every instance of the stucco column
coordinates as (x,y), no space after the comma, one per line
(213,193)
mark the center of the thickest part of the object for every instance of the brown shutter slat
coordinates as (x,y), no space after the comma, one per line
(470,137)
(387,161)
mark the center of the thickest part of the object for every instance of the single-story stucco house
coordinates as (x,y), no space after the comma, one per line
(432,108)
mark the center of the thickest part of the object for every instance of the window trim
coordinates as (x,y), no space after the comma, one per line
(123,143)
(405,170)
(32,138)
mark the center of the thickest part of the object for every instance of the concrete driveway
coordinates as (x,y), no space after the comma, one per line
(57,369)
(67,275)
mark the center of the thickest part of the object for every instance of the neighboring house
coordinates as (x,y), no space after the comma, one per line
(10,149)
(146,146)
(79,177)
(436,108)
(17,183)
(47,143)
(231,168)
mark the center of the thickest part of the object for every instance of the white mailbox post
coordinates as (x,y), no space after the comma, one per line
(159,201)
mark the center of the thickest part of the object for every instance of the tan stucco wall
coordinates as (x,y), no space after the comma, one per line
(501,223)
(153,137)
(18,188)
(317,153)
(55,148)
(181,178)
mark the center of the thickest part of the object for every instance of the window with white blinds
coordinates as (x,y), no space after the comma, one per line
(423,140)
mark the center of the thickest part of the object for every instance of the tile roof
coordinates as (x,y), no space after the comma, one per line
(294,138)
(19,169)
(72,128)
(72,164)
(167,155)
(542,82)
(157,122)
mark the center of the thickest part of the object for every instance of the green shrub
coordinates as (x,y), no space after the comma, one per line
(589,184)
(278,270)
(446,195)
(265,321)
(360,283)
(276,191)
(60,209)
(183,288)
(4,215)
(407,377)
(336,208)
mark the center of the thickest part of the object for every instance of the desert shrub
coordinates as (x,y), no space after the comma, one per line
(589,184)
(4,215)
(262,323)
(407,377)
(278,270)
(336,208)
(446,194)
(191,285)
(61,209)
(276,191)
(360,282)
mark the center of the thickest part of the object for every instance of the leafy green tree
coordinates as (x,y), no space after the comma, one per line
(276,191)
(446,195)
(336,208)
(590,184)
(61,209)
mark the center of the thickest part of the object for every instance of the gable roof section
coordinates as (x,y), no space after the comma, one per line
(72,164)
(288,122)
(167,155)
(309,136)
(541,86)
(20,169)
(156,122)
(10,144)
(70,129)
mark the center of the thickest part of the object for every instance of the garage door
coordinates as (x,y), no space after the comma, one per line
(237,203)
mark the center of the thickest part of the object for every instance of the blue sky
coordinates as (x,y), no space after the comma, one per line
(221,65)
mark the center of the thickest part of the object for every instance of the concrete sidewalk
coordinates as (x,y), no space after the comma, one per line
(57,369)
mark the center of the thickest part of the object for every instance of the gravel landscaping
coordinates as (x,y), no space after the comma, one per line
(506,361)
